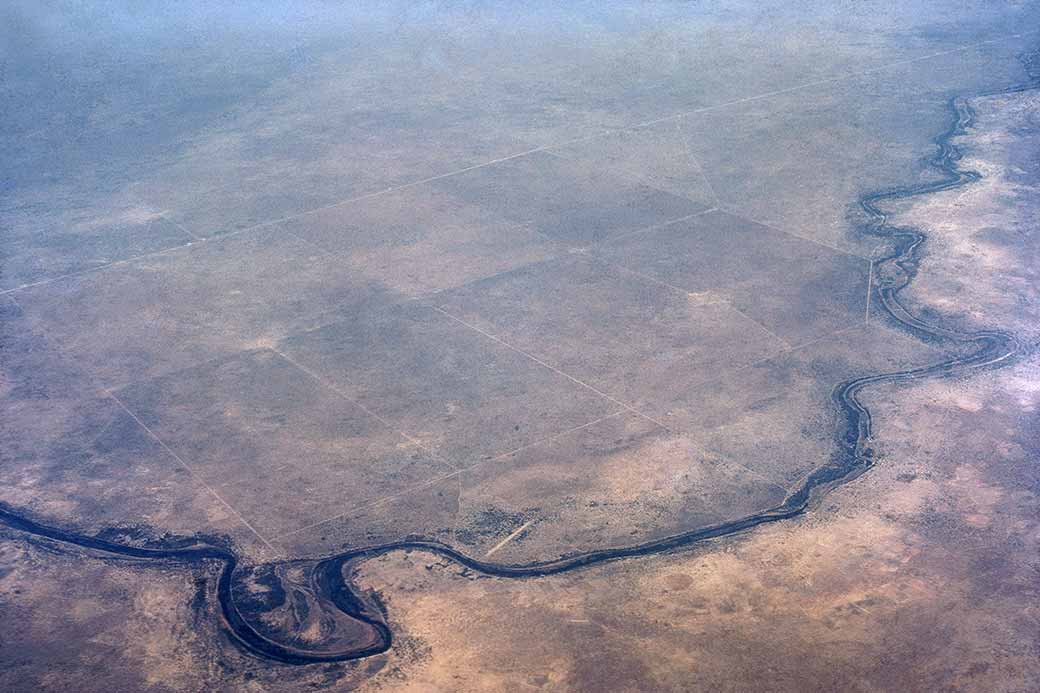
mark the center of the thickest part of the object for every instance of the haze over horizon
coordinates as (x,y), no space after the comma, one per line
(475,346)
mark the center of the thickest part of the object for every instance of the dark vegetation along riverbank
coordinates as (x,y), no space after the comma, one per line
(329,577)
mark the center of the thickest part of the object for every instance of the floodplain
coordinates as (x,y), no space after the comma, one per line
(331,337)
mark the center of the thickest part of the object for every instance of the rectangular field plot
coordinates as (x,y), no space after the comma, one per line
(453,389)
(173,310)
(282,448)
(797,289)
(634,339)
(565,200)
(421,239)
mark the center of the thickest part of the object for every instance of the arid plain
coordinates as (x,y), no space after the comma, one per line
(642,346)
